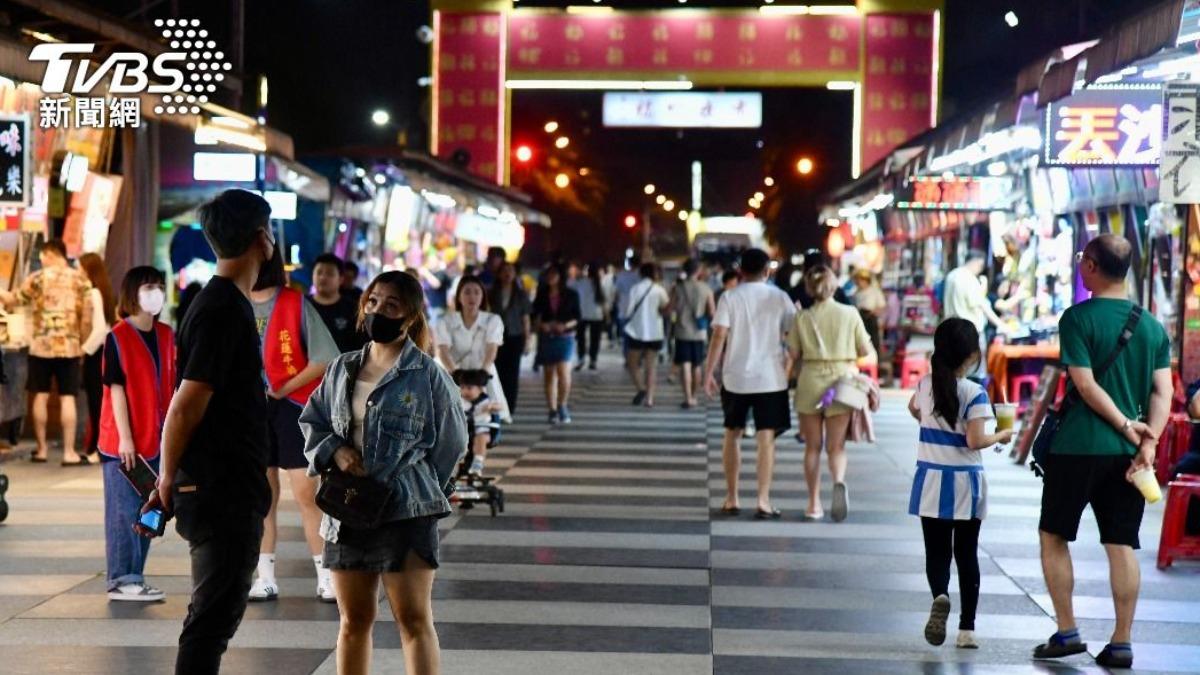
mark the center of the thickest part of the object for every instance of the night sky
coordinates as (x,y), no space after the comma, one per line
(331,62)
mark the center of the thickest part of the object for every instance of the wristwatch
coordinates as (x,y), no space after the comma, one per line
(1125,427)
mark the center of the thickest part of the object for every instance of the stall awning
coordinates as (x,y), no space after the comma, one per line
(1136,38)
(295,177)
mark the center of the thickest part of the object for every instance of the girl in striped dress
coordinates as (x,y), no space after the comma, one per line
(949,492)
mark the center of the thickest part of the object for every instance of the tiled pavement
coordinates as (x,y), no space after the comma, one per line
(608,561)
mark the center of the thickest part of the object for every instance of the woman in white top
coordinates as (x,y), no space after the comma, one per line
(647,304)
(470,338)
(949,491)
(103,310)
(826,341)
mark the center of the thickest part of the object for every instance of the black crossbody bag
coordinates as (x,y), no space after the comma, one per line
(356,501)
(1054,417)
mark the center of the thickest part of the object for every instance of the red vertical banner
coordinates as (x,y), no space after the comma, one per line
(899,86)
(469,105)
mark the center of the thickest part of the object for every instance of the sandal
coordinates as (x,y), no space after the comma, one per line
(83,461)
(773,514)
(731,510)
(814,517)
(37,460)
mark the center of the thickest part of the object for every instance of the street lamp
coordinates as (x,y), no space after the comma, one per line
(631,221)
(683,215)
(381,118)
(758,196)
(561,142)
(804,166)
(660,199)
(551,127)
(649,189)
(768,181)
(562,180)
(524,153)
(668,206)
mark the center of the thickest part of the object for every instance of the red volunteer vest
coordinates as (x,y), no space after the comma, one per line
(148,390)
(283,348)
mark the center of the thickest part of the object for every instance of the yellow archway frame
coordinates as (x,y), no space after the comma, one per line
(887,54)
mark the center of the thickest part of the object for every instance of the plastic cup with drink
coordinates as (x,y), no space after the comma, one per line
(1147,483)
(1006,416)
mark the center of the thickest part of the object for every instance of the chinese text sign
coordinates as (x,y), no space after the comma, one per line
(683,109)
(898,81)
(470,112)
(1110,126)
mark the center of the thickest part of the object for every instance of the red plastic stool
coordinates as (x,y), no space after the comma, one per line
(1179,400)
(1172,446)
(1016,384)
(915,367)
(871,370)
(1175,542)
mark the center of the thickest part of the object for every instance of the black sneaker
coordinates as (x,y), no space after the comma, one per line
(1115,656)
(552,417)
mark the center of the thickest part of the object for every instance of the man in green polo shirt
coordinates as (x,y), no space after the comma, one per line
(1112,432)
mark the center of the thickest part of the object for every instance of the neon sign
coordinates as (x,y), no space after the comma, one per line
(955,193)
(1106,126)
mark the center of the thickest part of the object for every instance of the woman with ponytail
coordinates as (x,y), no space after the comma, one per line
(390,413)
(949,492)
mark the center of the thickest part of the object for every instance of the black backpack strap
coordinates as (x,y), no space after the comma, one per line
(1127,331)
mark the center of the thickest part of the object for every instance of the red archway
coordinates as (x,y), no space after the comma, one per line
(887,52)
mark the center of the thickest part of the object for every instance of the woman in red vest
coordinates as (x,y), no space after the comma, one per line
(296,347)
(138,378)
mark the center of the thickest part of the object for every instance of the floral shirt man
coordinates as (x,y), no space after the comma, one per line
(58,294)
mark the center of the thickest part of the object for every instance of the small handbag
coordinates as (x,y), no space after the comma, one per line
(1044,439)
(852,392)
(356,501)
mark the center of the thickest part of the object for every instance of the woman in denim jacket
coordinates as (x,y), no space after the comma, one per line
(391,413)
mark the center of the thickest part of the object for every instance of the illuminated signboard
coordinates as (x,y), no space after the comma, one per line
(237,167)
(956,194)
(683,109)
(1108,126)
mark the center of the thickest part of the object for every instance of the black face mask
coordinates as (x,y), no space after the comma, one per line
(382,329)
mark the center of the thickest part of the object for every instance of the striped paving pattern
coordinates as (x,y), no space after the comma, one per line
(610,560)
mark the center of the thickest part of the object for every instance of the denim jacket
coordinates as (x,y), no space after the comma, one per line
(414,435)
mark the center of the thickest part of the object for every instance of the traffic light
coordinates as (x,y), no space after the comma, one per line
(631,221)
(524,153)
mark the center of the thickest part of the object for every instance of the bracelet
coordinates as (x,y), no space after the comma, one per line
(1128,423)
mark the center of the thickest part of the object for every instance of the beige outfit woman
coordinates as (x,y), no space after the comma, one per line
(829,337)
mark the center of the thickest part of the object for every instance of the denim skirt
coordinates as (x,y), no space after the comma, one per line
(384,548)
(555,349)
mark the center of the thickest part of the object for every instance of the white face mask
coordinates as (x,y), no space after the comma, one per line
(151,300)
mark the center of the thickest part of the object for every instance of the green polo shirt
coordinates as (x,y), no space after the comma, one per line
(1088,333)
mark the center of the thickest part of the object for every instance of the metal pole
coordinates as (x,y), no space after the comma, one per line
(237,31)
(647,253)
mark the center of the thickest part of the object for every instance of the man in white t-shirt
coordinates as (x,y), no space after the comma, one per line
(644,309)
(747,342)
(965,297)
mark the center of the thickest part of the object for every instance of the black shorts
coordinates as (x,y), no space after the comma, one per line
(771,410)
(287,441)
(1074,481)
(642,345)
(66,372)
(689,351)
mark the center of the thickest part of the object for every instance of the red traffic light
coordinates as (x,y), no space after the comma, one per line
(631,221)
(524,153)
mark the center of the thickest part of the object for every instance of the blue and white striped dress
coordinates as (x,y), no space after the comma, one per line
(949,483)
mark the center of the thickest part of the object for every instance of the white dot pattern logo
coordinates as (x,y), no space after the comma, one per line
(186,34)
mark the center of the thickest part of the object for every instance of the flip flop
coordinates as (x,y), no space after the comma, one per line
(731,510)
(773,514)
(83,461)
(37,460)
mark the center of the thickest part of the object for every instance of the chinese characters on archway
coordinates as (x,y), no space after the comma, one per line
(470,109)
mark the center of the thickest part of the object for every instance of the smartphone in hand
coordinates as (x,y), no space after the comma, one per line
(141,477)
(153,521)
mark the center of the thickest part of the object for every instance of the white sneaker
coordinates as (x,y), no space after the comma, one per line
(325,586)
(476,467)
(136,593)
(966,640)
(263,589)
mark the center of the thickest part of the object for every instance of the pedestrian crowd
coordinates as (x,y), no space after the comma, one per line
(367,400)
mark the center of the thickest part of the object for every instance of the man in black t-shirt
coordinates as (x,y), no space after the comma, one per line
(338,310)
(214,447)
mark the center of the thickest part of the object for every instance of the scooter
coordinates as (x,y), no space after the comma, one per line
(470,490)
